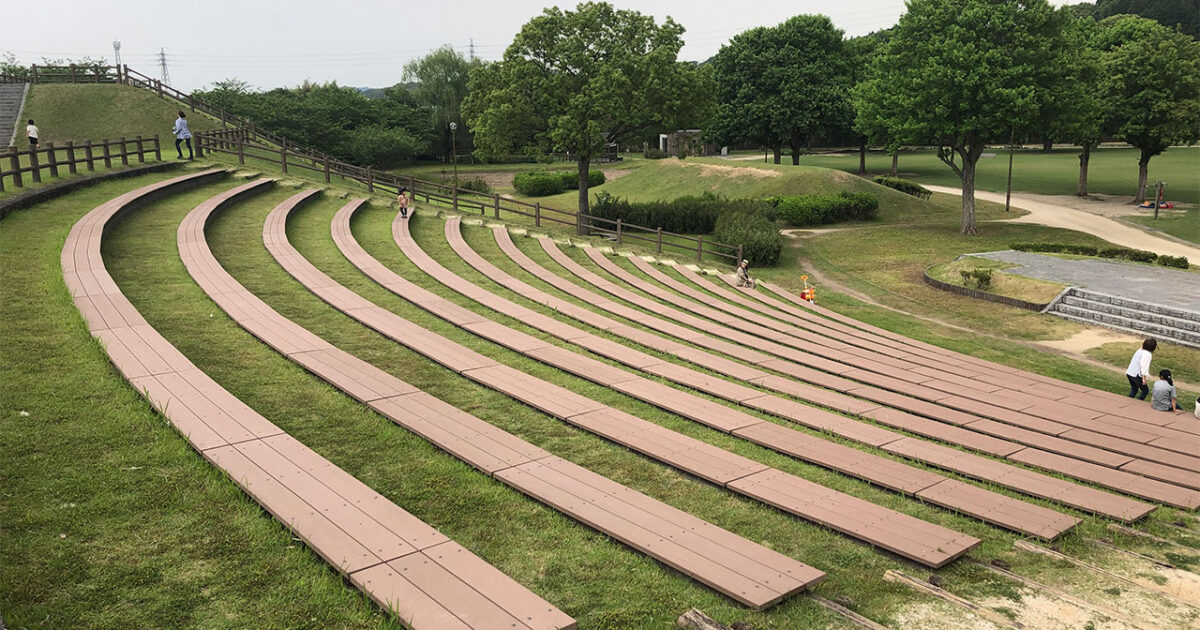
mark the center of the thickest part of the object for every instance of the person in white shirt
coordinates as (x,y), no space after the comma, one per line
(31,133)
(1138,371)
(182,135)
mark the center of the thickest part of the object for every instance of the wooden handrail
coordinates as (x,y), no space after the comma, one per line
(69,156)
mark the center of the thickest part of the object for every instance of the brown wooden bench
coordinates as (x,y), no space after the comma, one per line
(366,537)
(685,453)
(1083,498)
(743,570)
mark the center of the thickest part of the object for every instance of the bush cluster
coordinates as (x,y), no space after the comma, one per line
(477,184)
(982,278)
(686,215)
(1058,248)
(1125,253)
(757,234)
(1179,262)
(571,179)
(905,186)
(538,184)
(655,154)
(821,209)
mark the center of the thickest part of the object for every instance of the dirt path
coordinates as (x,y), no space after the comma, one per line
(1043,211)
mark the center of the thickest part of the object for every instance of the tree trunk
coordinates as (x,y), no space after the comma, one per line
(968,192)
(1143,171)
(778,151)
(795,154)
(1047,145)
(895,163)
(1084,158)
(581,224)
(862,157)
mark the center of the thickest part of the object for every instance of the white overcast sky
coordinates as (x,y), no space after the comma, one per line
(355,42)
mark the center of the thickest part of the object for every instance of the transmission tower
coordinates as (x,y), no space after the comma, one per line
(162,64)
(472,49)
(117,53)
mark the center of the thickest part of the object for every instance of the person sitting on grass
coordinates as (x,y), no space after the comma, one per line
(743,275)
(1164,396)
(1138,371)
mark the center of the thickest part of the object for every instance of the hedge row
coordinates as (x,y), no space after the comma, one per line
(820,209)
(685,215)
(1123,253)
(904,186)
(757,234)
(542,184)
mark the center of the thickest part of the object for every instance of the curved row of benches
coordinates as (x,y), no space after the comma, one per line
(407,566)
(1042,457)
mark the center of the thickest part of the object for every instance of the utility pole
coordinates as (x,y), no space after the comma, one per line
(162,64)
(1158,197)
(117,53)
(1008,189)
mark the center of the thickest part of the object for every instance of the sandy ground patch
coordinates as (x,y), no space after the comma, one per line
(1090,338)
(707,170)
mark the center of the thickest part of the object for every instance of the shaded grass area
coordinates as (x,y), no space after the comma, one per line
(108,518)
(1020,287)
(1111,171)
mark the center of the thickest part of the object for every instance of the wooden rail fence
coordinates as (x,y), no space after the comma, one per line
(244,139)
(70,156)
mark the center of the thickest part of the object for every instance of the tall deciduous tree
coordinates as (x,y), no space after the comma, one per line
(575,80)
(1074,109)
(962,73)
(778,86)
(1153,79)
(441,87)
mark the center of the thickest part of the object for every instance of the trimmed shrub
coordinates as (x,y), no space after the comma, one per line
(1179,262)
(982,278)
(1058,248)
(477,184)
(905,186)
(1125,253)
(538,183)
(571,179)
(655,154)
(686,215)
(760,240)
(820,209)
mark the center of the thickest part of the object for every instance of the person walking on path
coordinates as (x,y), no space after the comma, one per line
(31,134)
(402,201)
(1138,371)
(743,275)
(1164,397)
(182,134)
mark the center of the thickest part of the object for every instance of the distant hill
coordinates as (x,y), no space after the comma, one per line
(371,92)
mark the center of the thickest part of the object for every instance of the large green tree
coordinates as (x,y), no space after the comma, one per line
(779,86)
(962,73)
(1152,76)
(575,80)
(1074,109)
(441,87)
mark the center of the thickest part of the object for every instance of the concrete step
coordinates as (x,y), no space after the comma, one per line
(1125,324)
(1123,302)
(1143,314)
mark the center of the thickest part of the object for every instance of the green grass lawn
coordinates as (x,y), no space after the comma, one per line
(1020,287)
(1184,224)
(1112,171)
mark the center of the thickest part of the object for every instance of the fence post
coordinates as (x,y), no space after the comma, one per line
(658,233)
(537,214)
(224,124)
(283,155)
(412,184)
(71,157)
(33,164)
(140,150)
(192,102)
(739,258)
(107,154)
(87,153)
(33,77)
(72,66)
(326,169)
(496,204)
(370,180)
(454,197)
(158,86)
(158,149)
(16,167)
(618,231)
(124,152)
(241,152)
(53,161)
(700,249)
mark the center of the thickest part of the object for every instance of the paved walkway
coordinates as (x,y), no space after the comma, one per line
(1157,285)
(1054,215)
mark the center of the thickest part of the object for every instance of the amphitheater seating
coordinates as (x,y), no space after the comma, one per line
(743,570)
(1149,488)
(404,564)
(985,505)
(923,542)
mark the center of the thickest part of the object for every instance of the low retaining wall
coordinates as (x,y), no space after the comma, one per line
(982,295)
(58,189)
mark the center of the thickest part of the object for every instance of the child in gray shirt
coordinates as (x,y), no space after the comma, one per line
(1163,398)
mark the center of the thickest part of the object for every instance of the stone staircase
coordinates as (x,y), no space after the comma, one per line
(1165,323)
(12,97)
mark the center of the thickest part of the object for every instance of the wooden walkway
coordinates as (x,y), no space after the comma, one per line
(986,505)
(730,564)
(1028,482)
(401,562)
(931,545)
(1148,488)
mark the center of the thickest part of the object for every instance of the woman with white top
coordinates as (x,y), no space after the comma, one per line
(182,135)
(1138,371)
